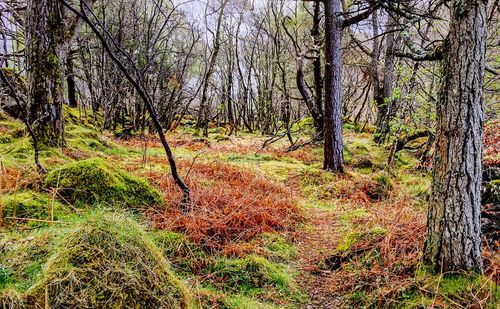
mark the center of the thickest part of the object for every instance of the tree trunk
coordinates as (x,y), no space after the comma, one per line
(45,56)
(318,74)
(453,230)
(384,101)
(333,160)
(70,81)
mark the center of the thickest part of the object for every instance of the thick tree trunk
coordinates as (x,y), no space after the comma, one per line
(333,160)
(45,56)
(453,229)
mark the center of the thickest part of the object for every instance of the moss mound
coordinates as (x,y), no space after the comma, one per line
(94,181)
(21,263)
(105,261)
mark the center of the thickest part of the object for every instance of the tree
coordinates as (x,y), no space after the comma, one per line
(83,12)
(383,91)
(45,54)
(334,25)
(453,229)
(49,35)
(203,117)
(333,159)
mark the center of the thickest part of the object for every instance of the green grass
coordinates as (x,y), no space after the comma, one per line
(255,275)
(33,205)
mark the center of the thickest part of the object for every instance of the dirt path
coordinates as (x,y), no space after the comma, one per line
(315,243)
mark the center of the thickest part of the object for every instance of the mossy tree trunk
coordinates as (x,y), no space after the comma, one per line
(45,55)
(453,229)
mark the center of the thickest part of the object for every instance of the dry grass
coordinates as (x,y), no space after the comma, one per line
(229,206)
(492,143)
(387,261)
(13,179)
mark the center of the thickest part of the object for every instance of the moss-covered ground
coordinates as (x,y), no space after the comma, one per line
(268,228)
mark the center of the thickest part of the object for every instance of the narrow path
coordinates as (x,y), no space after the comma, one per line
(315,243)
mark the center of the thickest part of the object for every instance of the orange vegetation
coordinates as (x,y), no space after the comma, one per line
(229,205)
(492,143)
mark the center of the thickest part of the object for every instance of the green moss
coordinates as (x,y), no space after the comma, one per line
(362,153)
(276,248)
(33,205)
(18,149)
(349,216)
(277,168)
(252,157)
(450,290)
(383,187)
(245,302)
(406,160)
(354,237)
(22,260)
(352,234)
(183,254)
(254,275)
(417,186)
(105,261)
(94,181)
(303,124)
(52,59)
(15,78)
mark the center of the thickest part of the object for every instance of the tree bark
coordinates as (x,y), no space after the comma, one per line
(45,56)
(318,74)
(333,160)
(453,230)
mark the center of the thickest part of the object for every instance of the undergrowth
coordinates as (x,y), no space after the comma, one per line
(240,245)
(229,205)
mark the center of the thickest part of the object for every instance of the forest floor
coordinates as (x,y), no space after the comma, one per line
(268,228)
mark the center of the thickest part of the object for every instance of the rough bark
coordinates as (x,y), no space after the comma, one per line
(45,54)
(453,230)
(333,160)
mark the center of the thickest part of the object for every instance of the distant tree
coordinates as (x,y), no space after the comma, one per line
(204,113)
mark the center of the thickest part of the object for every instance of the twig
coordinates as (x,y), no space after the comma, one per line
(35,220)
